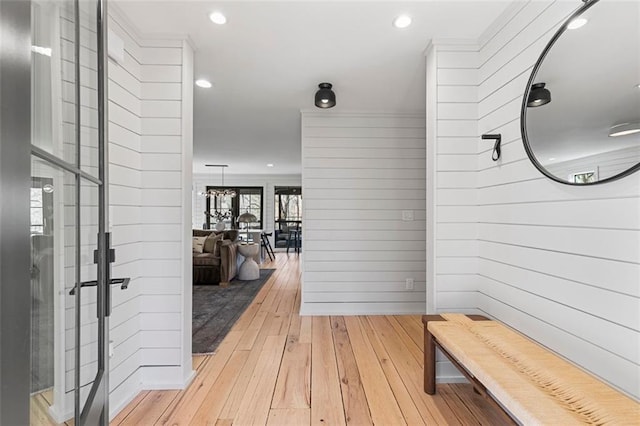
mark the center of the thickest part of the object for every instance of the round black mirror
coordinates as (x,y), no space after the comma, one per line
(580,116)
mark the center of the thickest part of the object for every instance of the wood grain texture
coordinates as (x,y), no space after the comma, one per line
(365,372)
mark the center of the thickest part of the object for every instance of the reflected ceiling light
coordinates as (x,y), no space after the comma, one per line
(402,21)
(218,18)
(46,51)
(325,97)
(538,95)
(624,129)
(270,165)
(205,84)
(577,23)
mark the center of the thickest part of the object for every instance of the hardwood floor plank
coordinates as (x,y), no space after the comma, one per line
(214,401)
(462,415)
(293,387)
(356,409)
(190,401)
(232,404)
(289,417)
(410,371)
(416,350)
(478,406)
(39,411)
(256,402)
(413,326)
(326,403)
(382,403)
(407,406)
(132,406)
(153,406)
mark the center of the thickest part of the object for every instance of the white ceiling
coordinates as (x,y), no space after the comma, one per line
(266,62)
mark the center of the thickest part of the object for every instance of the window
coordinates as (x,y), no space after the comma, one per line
(41,205)
(247,199)
(288,203)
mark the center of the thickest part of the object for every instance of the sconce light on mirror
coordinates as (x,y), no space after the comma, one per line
(495,155)
(538,96)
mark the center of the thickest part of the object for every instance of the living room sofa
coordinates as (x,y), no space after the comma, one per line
(217,263)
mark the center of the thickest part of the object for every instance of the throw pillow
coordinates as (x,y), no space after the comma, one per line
(210,243)
(198,244)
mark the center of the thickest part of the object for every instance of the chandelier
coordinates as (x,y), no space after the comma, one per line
(216,193)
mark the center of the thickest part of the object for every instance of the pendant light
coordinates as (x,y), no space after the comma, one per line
(325,97)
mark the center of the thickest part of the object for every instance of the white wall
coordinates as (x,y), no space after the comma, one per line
(150,139)
(360,171)
(559,263)
(267,182)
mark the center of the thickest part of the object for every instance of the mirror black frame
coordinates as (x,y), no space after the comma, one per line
(523,110)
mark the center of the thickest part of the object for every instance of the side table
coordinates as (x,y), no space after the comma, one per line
(249,270)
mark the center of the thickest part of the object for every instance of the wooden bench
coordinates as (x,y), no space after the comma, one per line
(526,381)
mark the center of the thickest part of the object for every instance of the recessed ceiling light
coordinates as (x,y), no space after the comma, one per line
(205,84)
(552,158)
(402,21)
(218,18)
(577,23)
(624,129)
(270,165)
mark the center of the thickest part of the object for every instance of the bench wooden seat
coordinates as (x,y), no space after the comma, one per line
(528,382)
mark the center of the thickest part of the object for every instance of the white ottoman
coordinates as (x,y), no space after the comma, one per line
(249,270)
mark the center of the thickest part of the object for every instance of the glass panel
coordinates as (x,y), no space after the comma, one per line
(53,225)
(52,78)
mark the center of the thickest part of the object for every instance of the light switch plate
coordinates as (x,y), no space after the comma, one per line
(409,284)
(407,215)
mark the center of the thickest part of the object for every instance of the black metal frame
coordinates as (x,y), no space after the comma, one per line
(523,116)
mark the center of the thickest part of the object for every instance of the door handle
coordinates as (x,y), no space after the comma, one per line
(124,284)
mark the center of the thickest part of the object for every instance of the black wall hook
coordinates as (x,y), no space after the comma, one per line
(496,146)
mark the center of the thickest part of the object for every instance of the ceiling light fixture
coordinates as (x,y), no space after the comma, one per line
(218,18)
(538,96)
(205,84)
(218,194)
(577,23)
(270,165)
(325,97)
(624,129)
(402,21)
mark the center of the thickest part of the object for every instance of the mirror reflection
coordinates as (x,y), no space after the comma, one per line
(581,122)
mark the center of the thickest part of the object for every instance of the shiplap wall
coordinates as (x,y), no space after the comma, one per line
(558,263)
(360,171)
(151,92)
(149,139)
(267,182)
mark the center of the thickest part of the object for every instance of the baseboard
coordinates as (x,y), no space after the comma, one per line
(367,308)
(165,378)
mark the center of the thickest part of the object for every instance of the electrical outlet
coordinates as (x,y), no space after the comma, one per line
(409,284)
(407,215)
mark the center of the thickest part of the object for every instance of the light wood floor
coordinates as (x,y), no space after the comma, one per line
(278,368)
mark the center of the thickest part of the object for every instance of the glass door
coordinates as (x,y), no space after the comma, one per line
(70,252)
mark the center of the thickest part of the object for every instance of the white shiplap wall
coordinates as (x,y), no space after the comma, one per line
(149,143)
(360,171)
(559,263)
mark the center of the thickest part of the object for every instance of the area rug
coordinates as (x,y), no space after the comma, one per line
(216,309)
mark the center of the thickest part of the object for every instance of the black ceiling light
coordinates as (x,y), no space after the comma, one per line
(325,97)
(538,95)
